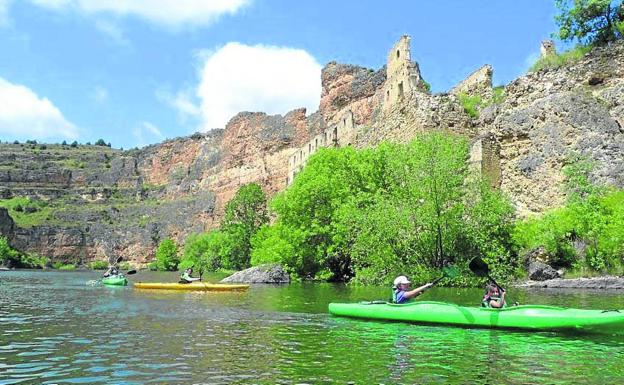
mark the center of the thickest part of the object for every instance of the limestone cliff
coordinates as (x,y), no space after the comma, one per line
(92,202)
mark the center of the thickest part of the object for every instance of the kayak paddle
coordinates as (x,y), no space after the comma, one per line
(481,269)
(449,271)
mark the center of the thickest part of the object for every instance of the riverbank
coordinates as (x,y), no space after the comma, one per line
(606,282)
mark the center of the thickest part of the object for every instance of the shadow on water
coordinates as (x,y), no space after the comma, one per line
(56,329)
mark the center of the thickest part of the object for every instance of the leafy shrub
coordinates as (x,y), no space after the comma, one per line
(62,266)
(98,265)
(206,251)
(470,104)
(100,142)
(33,261)
(587,234)
(7,253)
(166,255)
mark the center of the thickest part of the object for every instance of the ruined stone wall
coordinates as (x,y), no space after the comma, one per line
(403,74)
(477,83)
(340,134)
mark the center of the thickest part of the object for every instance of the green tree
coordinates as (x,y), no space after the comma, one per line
(244,215)
(377,212)
(205,251)
(590,21)
(167,255)
(100,142)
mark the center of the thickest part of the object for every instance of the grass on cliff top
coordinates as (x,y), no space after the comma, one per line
(26,212)
(559,60)
(472,104)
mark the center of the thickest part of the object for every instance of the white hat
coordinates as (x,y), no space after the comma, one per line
(401,280)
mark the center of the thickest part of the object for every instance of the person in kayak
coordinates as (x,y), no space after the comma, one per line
(186,277)
(112,271)
(401,292)
(493,297)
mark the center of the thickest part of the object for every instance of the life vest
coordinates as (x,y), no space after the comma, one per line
(185,278)
(487,299)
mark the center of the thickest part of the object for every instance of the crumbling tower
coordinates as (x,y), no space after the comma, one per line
(402,74)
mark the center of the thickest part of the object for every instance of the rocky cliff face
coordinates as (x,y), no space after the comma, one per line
(93,202)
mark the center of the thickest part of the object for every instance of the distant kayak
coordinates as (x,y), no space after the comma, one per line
(115,280)
(199,286)
(533,317)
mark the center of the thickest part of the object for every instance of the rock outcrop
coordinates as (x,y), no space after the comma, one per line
(537,269)
(260,274)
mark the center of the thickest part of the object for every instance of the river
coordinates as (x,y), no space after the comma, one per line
(56,329)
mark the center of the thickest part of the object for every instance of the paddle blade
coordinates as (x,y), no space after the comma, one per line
(479,267)
(119,259)
(131,272)
(450,271)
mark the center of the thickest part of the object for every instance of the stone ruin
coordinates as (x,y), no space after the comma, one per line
(547,48)
(403,83)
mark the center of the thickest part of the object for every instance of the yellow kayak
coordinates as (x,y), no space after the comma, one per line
(189,286)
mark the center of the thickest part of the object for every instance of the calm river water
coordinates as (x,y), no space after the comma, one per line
(56,329)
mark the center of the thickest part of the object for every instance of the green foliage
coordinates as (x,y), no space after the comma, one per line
(125,266)
(498,95)
(206,251)
(167,255)
(587,234)
(7,253)
(590,21)
(558,60)
(100,142)
(33,261)
(62,266)
(74,144)
(427,85)
(98,265)
(244,215)
(471,104)
(395,209)
(26,212)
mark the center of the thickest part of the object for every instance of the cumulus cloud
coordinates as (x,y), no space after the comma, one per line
(146,133)
(23,114)
(238,77)
(164,12)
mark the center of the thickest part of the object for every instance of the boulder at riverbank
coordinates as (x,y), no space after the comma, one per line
(259,274)
(578,283)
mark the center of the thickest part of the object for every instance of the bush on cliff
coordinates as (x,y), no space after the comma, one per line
(7,253)
(167,255)
(587,234)
(395,209)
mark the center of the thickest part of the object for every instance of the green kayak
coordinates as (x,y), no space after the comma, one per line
(534,317)
(115,280)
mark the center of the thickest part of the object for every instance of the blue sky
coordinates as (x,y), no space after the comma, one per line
(135,72)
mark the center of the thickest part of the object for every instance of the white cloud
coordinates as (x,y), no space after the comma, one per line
(24,114)
(238,77)
(164,12)
(146,133)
